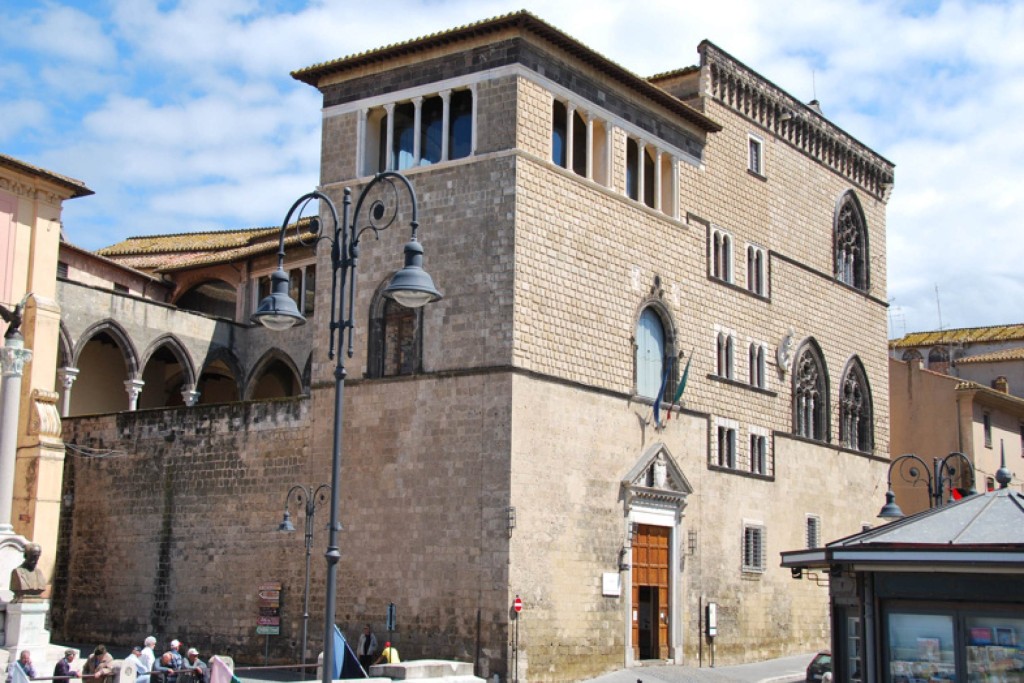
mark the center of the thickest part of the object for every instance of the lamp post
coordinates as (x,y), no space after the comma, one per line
(411,286)
(310,499)
(13,356)
(937,479)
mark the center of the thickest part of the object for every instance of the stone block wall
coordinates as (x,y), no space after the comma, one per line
(170,522)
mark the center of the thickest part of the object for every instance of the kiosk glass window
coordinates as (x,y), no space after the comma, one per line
(994,649)
(921,647)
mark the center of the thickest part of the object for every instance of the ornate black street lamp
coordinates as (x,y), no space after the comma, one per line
(940,477)
(310,499)
(411,286)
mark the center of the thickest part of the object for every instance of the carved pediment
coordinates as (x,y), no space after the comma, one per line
(656,476)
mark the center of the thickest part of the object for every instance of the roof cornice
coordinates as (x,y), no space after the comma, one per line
(519,21)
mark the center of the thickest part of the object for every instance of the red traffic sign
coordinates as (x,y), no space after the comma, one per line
(517,605)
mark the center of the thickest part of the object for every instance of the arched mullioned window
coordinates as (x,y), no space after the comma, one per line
(654,344)
(912,354)
(856,423)
(396,339)
(851,243)
(810,393)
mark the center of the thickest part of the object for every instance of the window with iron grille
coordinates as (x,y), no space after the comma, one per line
(813,531)
(753,548)
(755,155)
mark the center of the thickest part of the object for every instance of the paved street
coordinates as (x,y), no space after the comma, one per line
(774,671)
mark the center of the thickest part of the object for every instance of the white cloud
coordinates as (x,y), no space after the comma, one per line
(181,115)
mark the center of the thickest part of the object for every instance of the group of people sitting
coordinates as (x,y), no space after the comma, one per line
(170,668)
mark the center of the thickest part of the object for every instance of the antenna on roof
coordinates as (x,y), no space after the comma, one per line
(938,305)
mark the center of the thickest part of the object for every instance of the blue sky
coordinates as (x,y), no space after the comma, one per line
(182,116)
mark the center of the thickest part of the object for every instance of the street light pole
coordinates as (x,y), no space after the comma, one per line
(310,499)
(411,287)
(941,476)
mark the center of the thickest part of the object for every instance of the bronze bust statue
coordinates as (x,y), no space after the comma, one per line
(28,581)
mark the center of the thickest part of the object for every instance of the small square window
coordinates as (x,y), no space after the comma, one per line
(755,156)
(753,548)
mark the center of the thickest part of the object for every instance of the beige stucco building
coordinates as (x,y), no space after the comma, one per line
(600,239)
(31,199)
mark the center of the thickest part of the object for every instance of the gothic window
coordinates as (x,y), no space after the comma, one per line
(721,255)
(652,355)
(724,354)
(756,366)
(810,394)
(856,424)
(395,338)
(756,270)
(851,243)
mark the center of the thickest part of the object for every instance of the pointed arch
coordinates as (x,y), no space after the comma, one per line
(106,359)
(850,242)
(396,337)
(220,380)
(167,370)
(275,375)
(117,334)
(654,349)
(810,392)
(856,415)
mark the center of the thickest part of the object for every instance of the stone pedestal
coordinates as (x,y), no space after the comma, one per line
(25,629)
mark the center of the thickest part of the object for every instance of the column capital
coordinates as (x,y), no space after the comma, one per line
(13,357)
(190,396)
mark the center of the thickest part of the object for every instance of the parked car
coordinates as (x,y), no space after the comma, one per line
(819,666)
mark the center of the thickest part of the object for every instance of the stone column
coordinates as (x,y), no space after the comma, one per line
(67,376)
(134,388)
(13,357)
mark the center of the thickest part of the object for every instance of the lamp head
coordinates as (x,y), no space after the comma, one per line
(286,522)
(278,311)
(890,510)
(412,286)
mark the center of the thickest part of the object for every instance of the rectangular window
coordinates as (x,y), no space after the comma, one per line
(412,146)
(986,421)
(727,447)
(755,157)
(753,548)
(758,454)
(813,531)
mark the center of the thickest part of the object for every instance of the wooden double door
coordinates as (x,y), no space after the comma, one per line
(651,595)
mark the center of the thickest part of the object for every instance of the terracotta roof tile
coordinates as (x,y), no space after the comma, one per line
(180,251)
(521,20)
(962,335)
(994,357)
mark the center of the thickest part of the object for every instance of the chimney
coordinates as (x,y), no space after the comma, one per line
(1001,384)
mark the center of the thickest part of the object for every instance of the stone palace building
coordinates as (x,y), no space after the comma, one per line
(600,239)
